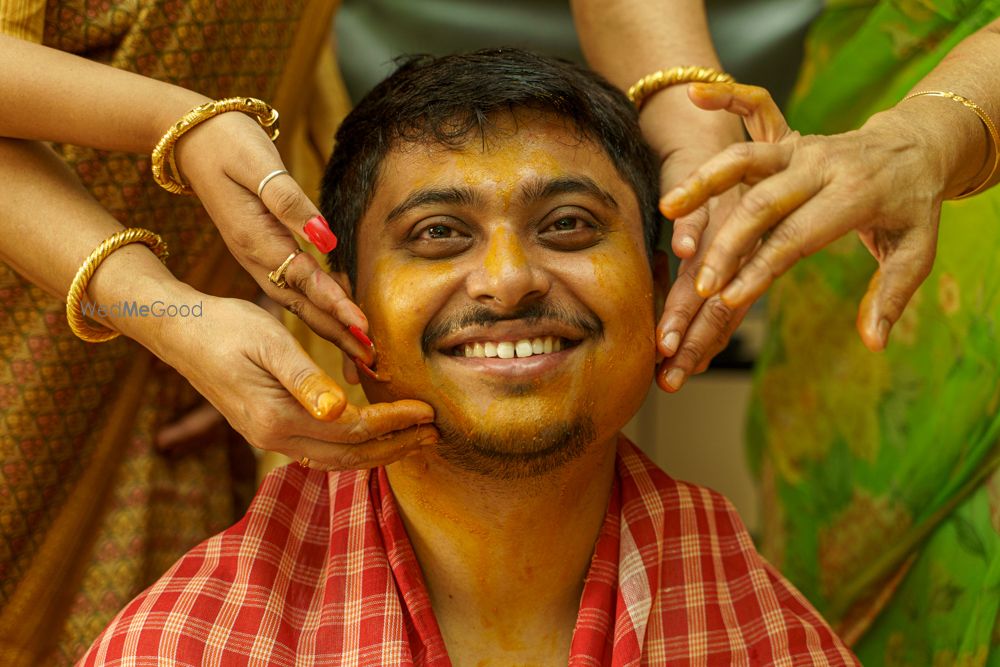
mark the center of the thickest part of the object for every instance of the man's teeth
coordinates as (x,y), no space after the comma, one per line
(525,347)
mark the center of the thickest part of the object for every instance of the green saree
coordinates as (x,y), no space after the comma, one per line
(882,503)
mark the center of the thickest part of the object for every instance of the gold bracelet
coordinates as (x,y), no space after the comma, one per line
(665,78)
(78,288)
(164,151)
(986,120)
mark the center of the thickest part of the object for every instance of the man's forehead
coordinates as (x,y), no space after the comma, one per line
(524,161)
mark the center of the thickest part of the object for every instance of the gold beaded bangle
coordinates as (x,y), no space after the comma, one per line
(665,78)
(164,151)
(986,120)
(78,288)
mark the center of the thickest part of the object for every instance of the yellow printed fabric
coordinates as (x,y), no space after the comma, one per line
(879,470)
(90,511)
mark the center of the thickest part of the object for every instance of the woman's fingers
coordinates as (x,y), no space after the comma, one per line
(740,163)
(707,335)
(760,209)
(313,295)
(745,163)
(687,232)
(761,116)
(800,234)
(368,436)
(290,205)
(683,303)
(326,456)
(902,271)
(284,359)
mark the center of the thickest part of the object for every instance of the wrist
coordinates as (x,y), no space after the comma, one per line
(947,140)
(175,103)
(136,295)
(674,127)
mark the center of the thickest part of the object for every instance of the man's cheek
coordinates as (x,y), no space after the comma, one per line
(399,301)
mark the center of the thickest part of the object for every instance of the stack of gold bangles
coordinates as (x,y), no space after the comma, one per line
(170,180)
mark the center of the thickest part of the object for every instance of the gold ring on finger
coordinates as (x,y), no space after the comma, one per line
(304,462)
(267,179)
(277,277)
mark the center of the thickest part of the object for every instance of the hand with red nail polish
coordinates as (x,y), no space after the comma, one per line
(265,231)
(276,396)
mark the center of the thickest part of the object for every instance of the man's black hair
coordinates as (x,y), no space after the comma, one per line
(442,100)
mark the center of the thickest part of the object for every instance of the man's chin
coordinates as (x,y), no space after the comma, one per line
(515,453)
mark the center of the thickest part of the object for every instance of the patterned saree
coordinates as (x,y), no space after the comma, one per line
(90,511)
(882,503)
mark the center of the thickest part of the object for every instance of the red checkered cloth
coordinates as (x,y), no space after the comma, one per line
(321,572)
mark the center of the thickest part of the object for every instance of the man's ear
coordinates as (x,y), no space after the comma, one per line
(661,281)
(347,366)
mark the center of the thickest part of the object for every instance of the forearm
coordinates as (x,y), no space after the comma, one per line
(54,96)
(957,140)
(625,40)
(49,224)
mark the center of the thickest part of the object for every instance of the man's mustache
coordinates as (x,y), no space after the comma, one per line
(586,322)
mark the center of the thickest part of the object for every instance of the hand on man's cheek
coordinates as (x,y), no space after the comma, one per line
(507,284)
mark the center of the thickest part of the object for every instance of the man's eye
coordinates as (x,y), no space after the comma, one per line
(438,232)
(570,232)
(567,224)
(438,240)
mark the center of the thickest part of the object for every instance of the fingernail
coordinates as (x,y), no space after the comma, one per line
(677,196)
(671,341)
(675,378)
(688,243)
(706,281)
(429,439)
(733,291)
(362,338)
(326,402)
(363,367)
(883,331)
(319,233)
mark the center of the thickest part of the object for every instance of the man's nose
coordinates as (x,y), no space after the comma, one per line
(507,277)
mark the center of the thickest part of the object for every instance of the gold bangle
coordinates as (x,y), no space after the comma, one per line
(986,120)
(264,114)
(665,78)
(78,288)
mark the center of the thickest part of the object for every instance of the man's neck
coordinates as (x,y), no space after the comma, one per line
(505,561)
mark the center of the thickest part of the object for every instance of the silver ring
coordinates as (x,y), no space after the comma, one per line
(267,179)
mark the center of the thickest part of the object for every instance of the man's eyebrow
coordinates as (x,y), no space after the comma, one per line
(543,188)
(456,196)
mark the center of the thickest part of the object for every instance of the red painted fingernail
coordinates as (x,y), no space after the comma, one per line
(363,367)
(362,338)
(319,233)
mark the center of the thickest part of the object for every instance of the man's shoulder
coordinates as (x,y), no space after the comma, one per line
(664,494)
(243,582)
(706,579)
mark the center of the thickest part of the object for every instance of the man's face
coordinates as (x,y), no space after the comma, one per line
(507,285)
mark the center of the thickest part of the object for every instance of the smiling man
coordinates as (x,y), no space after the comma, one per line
(497,214)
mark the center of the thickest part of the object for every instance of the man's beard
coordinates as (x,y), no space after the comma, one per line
(509,456)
